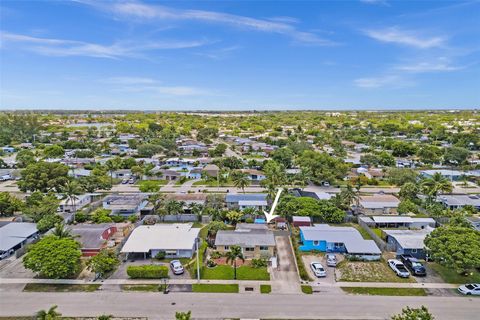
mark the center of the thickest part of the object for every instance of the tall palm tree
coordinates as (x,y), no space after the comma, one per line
(71,190)
(51,314)
(62,232)
(232,256)
(435,185)
(240,180)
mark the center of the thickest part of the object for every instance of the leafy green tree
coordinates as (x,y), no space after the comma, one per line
(407,206)
(214,226)
(409,191)
(9,204)
(24,158)
(232,255)
(400,176)
(53,258)
(103,263)
(345,198)
(429,154)
(218,151)
(51,314)
(323,167)
(44,177)
(414,314)
(38,205)
(54,151)
(456,155)
(112,165)
(234,216)
(456,247)
(94,182)
(403,149)
(49,221)
(283,156)
(240,180)
(101,216)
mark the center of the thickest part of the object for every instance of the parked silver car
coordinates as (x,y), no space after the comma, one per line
(318,270)
(398,267)
(176,267)
(331,260)
(470,289)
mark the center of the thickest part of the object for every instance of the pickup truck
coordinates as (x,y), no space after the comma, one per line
(414,265)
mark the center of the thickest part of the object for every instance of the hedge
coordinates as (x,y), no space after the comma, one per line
(147,272)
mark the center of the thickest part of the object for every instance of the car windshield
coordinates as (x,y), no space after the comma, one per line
(401,267)
(416,264)
(470,286)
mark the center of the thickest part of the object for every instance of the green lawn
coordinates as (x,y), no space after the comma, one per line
(53,287)
(225,272)
(265,288)
(378,232)
(212,183)
(374,271)
(307,289)
(451,276)
(363,232)
(221,288)
(386,291)
(140,287)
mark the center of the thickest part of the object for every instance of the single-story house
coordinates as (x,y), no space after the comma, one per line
(15,235)
(195,173)
(254,175)
(347,240)
(407,241)
(125,205)
(475,222)
(8,149)
(256,240)
(67,205)
(169,175)
(8,174)
(456,201)
(378,204)
(93,237)
(453,175)
(211,170)
(239,201)
(176,240)
(300,221)
(122,173)
(310,194)
(398,222)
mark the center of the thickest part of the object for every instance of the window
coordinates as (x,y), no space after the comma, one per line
(249,249)
(263,248)
(227,247)
(316,243)
(414,250)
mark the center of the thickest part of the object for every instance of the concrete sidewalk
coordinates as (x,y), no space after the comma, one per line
(241,282)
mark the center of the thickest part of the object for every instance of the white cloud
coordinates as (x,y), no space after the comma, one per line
(408,38)
(438,65)
(144,84)
(382,81)
(141,12)
(65,48)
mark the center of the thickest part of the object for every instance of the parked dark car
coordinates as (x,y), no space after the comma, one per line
(414,265)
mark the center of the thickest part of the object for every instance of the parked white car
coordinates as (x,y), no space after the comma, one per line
(399,268)
(176,267)
(470,289)
(318,270)
(331,260)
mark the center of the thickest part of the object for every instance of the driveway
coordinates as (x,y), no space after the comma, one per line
(13,268)
(285,278)
(330,278)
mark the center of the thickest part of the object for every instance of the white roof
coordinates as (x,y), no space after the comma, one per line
(409,239)
(400,219)
(301,218)
(15,233)
(177,236)
(252,203)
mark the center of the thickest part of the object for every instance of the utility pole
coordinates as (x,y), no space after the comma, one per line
(197,240)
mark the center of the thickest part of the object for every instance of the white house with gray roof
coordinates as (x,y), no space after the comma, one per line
(239,201)
(256,240)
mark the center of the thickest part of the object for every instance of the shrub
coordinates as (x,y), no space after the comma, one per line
(215,255)
(211,264)
(117,218)
(147,272)
(133,218)
(259,263)
(160,255)
(81,217)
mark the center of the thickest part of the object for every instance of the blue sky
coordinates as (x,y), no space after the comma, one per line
(226,55)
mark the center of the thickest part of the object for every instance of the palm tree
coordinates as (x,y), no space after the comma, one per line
(240,180)
(71,190)
(61,232)
(112,165)
(435,185)
(232,256)
(51,314)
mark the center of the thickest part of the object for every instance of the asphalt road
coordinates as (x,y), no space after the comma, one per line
(219,306)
